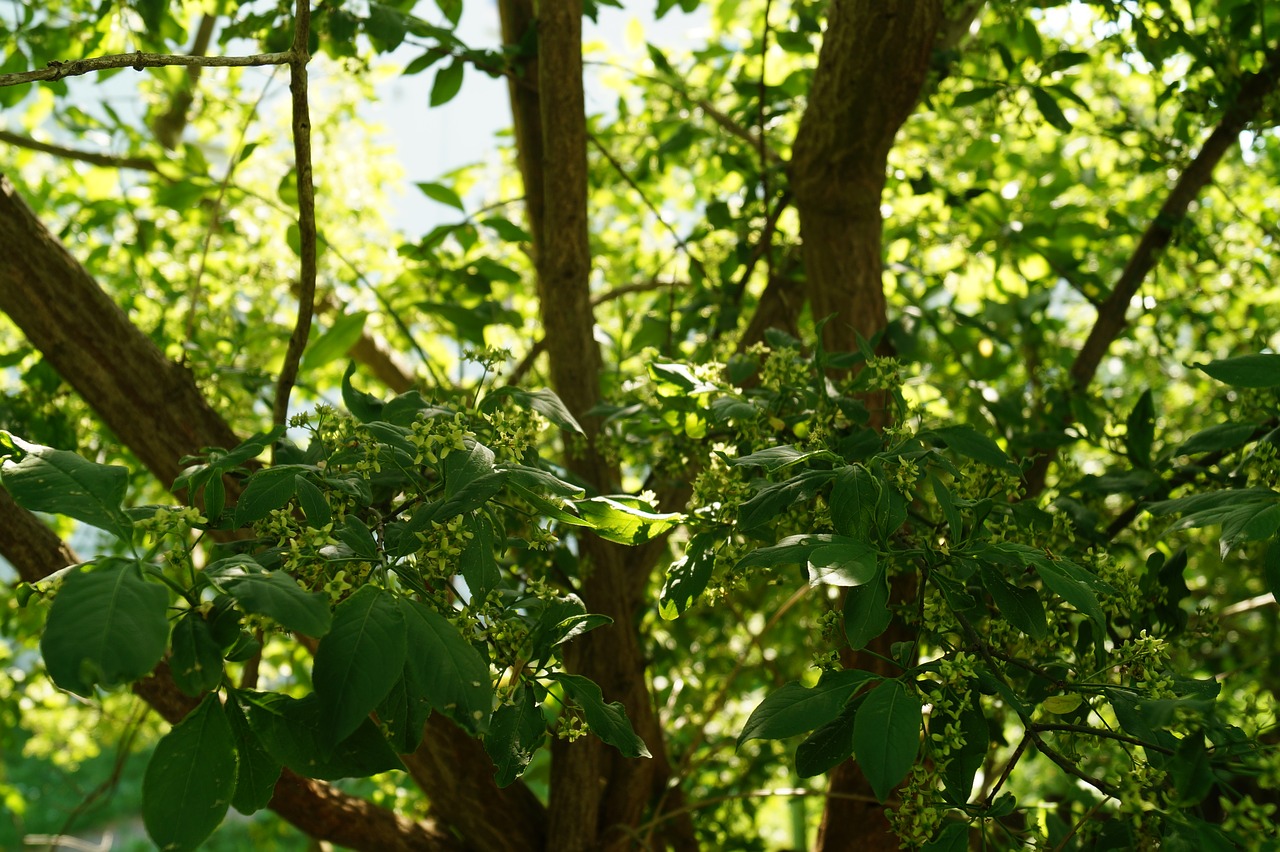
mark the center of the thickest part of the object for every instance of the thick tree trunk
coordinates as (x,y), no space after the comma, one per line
(156,410)
(873,63)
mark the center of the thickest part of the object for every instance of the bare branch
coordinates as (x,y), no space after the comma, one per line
(94,158)
(137,61)
(298,58)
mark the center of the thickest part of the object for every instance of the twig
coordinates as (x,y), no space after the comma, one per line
(1101,733)
(95,158)
(137,61)
(298,58)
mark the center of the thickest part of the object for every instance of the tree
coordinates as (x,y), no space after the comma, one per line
(892,367)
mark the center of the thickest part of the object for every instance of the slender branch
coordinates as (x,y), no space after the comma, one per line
(298,58)
(95,158)
(1100,733)
(1112,314)
(630,181)
(137,61)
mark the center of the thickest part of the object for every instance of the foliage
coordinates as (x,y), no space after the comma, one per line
(849,556)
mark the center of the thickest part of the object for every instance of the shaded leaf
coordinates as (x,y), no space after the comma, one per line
(190,778)
(445,668)
(358,660)
(63,483)
(609,721)
(794,708)
(1245,371)
(688,578)
(866,611)
(107,626)
(886,736)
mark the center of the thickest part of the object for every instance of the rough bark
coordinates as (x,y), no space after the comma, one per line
(596,794)
(872,66)
(445,767)
(155,409)
(147,400)
(874,60)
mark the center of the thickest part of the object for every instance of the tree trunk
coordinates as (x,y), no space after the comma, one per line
(156,410)
(873,63)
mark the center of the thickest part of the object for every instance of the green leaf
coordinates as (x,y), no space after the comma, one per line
(886,736)
(1271,568)
(1245,371)
(313,503)
(476,563)
(445,669)
(358,660)
(1224,436)
(794,709)
(440,192)
(1140,431)
(336,341)
(544,401)
(830,745)
(63,483)
(625,520)
(779,457)
(256,771)
(196,660)
(964,763)
(295,734)
(953,837)
(609,721)
(1048,106)
(1073,590)
(507,230)
(775,498)
(386,26)
(844,564)
(190,778)
(1191,772)
(866,611)
(267,489)
(975,95)
(462,467)
(515,733)
(274,594)
(363,406)
(687,579)
(451,9)
(853,502)
(972,444)
(1021,607)
(107,626)
(448,82)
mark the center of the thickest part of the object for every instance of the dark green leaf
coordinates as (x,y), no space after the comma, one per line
(1140,431)
(688,578)
(975,95)
(843,564)
(1048,106)
(794,709)
(196,660)
(267,489)
(274,594)
(256,770)
(448,82)
(190,778)
(63,483)
(830,745)
(777,458)
(1224,436)
(515,732)
(1072,589)
(774,498)
(507,230)
(866,611)
(295,733)
(1021,607)
(1191,772)
(886,736)
(543,401)
(971,443)
(445,669)
(477,564)
(953,837)
(440,192)
(358,660)
(1246,371)
(609,721)
(313,503)
(462,467)
(336,341)
(107,626)
(365,407)
(853,502)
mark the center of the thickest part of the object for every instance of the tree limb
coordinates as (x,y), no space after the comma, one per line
(95,158)
(137,61)
(1113,313)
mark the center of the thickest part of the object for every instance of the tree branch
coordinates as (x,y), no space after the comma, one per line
(95,158)
(1113,313)
(298,59)
(137,61)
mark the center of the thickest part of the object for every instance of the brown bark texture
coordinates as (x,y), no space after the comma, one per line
(597,795)
(871,69)
(156,410)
